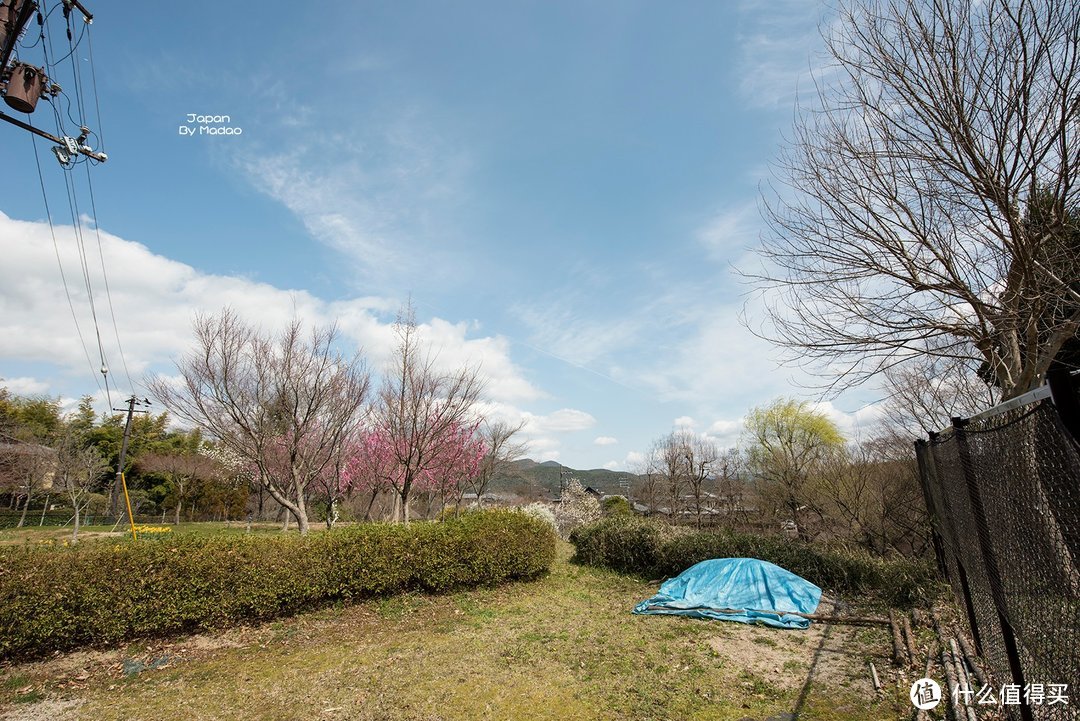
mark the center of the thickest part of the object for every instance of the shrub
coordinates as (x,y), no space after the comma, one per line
(617,506)
(576,508)
(541,512)
(625,543)
(652,548)
(101,593)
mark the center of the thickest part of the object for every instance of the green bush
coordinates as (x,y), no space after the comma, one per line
(654,549)
(625,543)
(103,592)
(616,506)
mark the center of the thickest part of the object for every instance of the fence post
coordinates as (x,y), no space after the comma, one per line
(993,572)
(1063,393)
(927,472)
(922,451)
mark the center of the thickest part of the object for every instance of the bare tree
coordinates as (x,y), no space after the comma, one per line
(503,450)
(666,462)
(925,393)
(78,469)
(647,487)
(730,487)
(182,470)
(284,404)
(905,222)
(418,406)
(871,493)
(33,467)
(702,457)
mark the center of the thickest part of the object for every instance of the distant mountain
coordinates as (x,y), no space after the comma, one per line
(542,481)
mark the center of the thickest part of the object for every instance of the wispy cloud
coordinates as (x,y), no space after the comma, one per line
(382,194)
(731,230)
(605,441)
(564,329)
(779,47)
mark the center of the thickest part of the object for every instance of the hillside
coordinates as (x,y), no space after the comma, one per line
(541,480)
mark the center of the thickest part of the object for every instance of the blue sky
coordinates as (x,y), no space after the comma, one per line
(562,187)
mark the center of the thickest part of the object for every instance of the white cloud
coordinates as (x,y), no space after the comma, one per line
(389,194)
(564,420)
(159,298)
(725,433)
(544,449)
(853,425)
(730,230)
(605,441)
(24,386)
(779,45)
(632,462)
(560,329)
(684,422)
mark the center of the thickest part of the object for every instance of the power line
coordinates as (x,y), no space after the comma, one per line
(60,264)
(105,275)
(93,78)
(76,221)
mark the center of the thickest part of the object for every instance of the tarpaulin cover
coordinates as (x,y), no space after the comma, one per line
(737,589)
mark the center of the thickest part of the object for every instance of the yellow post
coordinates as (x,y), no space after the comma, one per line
(131,519)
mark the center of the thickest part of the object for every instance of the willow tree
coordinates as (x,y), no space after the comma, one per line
(787,444)
(924,201)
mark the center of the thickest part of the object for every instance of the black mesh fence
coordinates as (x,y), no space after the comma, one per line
(1003,491)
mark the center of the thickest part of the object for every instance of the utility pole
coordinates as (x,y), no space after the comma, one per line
(122,483)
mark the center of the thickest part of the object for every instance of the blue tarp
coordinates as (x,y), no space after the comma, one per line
(737,589)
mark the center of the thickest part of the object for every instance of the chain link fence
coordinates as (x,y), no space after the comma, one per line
(1003,492)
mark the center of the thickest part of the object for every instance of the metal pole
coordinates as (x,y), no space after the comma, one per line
(83,149)
(1063,393)
(17,26)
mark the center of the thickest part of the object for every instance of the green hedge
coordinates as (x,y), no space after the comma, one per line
(654,549)
(103,592)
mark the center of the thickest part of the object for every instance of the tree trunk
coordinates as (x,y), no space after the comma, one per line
(178,505)
(301,514)
(367,511)
(75,531)
(44,508)
(26,507)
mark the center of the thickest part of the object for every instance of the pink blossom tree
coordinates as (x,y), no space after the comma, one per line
(450,460)
(422,418)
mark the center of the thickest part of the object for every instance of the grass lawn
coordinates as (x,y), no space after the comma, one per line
(563,647)
(59,534)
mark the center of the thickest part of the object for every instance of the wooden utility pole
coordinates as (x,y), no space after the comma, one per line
(123,456)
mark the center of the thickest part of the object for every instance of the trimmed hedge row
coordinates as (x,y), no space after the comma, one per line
(103,592)
(655,549)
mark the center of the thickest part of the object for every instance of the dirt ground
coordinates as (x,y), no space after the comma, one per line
(563,647)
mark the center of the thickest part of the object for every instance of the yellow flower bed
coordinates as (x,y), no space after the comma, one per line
(152,529)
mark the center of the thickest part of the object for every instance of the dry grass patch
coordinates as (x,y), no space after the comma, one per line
(563,647)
